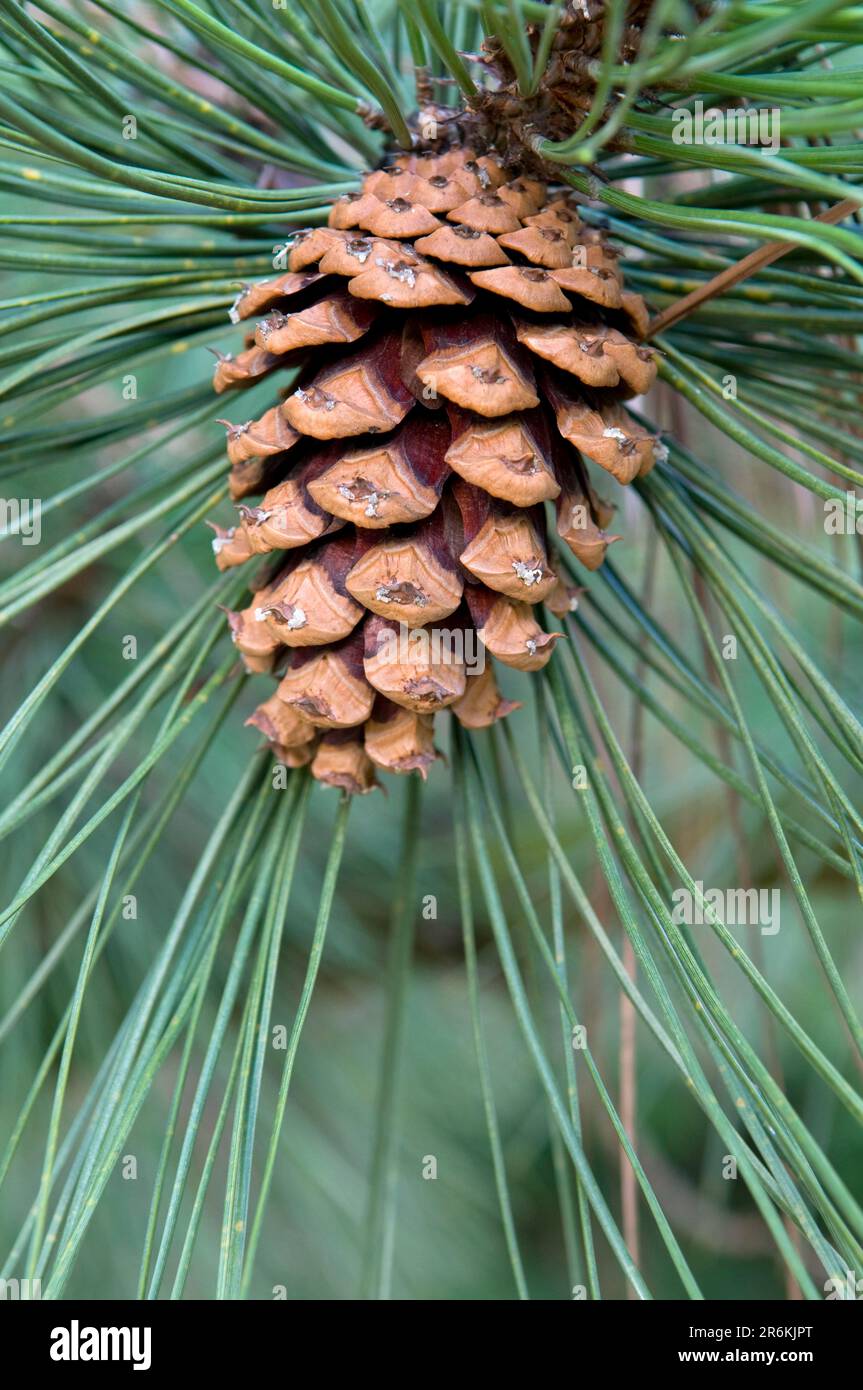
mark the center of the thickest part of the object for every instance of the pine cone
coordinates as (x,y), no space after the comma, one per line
(462,342)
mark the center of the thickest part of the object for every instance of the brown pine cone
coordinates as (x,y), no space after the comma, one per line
(462,342)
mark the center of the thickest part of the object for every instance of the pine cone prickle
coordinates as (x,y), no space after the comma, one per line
(464,344)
